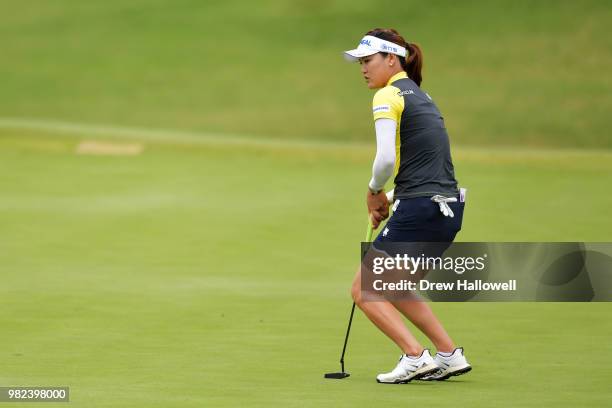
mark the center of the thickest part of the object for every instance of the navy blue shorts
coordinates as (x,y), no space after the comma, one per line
(419,220)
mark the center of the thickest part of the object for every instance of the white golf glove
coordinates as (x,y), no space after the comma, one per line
(443,203)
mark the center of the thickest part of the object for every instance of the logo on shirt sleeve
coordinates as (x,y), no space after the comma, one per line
(381,108)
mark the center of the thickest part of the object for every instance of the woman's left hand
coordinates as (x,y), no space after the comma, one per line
(378,207)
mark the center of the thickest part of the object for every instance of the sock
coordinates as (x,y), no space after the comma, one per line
(445,354)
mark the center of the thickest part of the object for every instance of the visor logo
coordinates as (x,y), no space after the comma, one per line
(386,47)
(365,42)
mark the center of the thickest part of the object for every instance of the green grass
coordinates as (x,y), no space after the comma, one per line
(173,278)
(534,73)
(214,268)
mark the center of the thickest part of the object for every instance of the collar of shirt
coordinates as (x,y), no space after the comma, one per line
(399,75)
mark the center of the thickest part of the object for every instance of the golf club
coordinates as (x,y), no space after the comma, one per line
(343,374)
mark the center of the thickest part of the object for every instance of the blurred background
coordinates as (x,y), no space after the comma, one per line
(528,73)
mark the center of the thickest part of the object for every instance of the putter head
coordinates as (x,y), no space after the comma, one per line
(337,376)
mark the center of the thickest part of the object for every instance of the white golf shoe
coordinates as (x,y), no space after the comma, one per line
(455,364)
(409,368)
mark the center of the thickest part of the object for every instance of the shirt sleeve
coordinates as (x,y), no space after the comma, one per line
(388,104)
(384,163)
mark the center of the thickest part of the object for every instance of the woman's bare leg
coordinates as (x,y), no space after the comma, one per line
(387,318)
(421,315)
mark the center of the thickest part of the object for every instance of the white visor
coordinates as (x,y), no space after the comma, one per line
(370,45)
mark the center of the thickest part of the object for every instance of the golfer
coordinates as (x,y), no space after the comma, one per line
(412,145)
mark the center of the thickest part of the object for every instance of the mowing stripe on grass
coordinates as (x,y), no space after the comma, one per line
(169,136)
(166,135)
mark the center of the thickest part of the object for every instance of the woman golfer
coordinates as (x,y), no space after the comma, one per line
(412,144)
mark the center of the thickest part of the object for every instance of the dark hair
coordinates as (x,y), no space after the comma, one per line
(413,64)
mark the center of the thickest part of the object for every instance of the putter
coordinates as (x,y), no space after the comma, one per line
(343,374)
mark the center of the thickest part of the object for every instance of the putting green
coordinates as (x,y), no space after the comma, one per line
(176,278)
